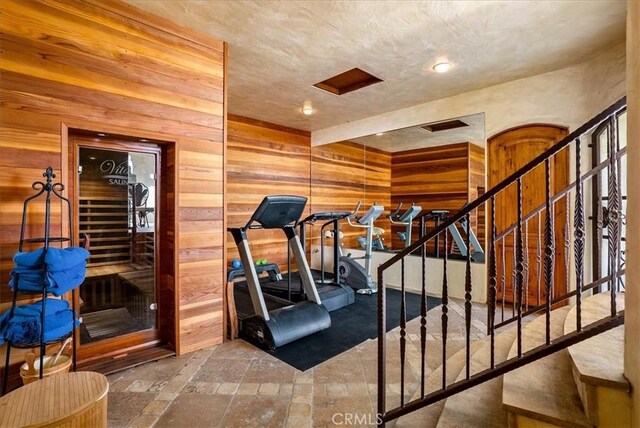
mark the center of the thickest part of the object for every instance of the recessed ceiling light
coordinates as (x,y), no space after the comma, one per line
(307,109)
(92,157)
(380,133)
(143,140)
(100,134)
(442,67)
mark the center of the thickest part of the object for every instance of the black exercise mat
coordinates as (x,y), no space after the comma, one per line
(350,326)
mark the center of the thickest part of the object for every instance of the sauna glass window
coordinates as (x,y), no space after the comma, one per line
(117,211)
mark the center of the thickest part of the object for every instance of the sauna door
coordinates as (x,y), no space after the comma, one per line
(117,210)
(508,152)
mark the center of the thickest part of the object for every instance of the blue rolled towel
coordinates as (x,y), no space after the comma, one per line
(25,326)
(62,259)
(65,269)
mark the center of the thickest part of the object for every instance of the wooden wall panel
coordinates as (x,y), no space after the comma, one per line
(433,178)
(378,187)
(106,66)
(337,183)
(477,186)
(264,159)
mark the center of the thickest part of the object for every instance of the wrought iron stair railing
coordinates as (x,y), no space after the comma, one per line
(575,234)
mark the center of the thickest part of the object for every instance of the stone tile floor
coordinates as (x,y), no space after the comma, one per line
(237,385)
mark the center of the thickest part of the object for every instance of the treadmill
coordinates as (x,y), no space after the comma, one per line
(268,320)
(334,295)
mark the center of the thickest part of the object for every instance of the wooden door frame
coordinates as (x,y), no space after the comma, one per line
(490,185)
(129,141)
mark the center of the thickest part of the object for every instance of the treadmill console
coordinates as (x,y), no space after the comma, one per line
(278,211)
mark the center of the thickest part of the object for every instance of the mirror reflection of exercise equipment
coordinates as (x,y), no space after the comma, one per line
(351,272)
(405,220)
(457,231)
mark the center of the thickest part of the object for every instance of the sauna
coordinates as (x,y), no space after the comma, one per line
(118,210)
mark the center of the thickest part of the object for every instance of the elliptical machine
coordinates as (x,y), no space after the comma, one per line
(351,272)
(405,220)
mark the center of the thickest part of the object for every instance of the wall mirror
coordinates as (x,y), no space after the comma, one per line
(429,170)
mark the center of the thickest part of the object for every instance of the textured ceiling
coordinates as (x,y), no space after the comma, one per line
(417,138)
(278,49)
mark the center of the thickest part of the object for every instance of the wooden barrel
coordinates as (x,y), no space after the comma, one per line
(65,400)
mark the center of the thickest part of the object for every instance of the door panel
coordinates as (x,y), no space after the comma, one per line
(116,193)
(508,152)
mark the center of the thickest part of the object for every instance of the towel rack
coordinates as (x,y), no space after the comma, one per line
(49,189)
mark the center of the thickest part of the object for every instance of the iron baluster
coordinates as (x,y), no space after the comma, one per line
(382,344)
(423,308)
(613,230)
(403,331)
(519,265)
(567,240)
(503,283)
(445,310)
(526,264)
(467,297)
(579,237)
(514,288)
(492,281)
(549,248)
(538,257)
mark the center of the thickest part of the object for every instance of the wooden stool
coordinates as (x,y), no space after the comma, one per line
(63,400)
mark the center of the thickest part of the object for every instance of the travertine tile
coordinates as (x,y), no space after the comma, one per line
(286,389)
(155,408)
(227,388)
(236,384)
(268,389)
(167,396)
(139,386)
(268,371)
(298,422)
(224,370)
(195,410)
(256,411)
(299,410)
(337,390)
(124,407)
(144,421)
(248,389)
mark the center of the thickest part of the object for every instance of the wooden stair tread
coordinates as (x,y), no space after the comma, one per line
(482,404)
(599,360)
(427,417)
(544,390)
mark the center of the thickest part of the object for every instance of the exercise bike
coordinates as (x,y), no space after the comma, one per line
(377,244)
(405,220)
(351,272)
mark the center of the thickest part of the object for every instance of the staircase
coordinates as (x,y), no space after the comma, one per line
(558,362)
(581,386)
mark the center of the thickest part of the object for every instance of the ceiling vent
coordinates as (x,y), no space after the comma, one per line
(347,82)
(444,126)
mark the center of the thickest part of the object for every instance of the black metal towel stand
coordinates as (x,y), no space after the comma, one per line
(47,188)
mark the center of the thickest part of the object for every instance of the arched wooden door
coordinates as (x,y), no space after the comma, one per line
(509,151)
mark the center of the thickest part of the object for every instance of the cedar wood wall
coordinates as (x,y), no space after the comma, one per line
(106,66)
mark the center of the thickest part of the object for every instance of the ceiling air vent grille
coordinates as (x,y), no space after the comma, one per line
(347,82)
(444,126)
